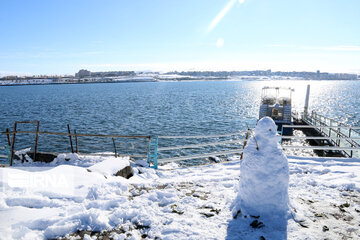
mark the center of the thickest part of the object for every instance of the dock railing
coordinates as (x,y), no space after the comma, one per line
(331,135)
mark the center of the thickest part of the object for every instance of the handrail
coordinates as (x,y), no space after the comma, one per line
(199,156)
(319,138)
(76,134)
(319,126)
(200,145)
(321,148)
(112,154)
(203,136)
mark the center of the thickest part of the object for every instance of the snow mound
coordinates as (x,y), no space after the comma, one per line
(110,166)
(66,157)
(264,178)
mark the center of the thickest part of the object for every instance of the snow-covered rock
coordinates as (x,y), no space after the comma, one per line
(73,157)
(264,175)
(113,166)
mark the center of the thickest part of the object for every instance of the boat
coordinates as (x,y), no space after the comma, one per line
(276,103)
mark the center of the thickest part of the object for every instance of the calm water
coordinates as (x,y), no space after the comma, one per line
(160,108)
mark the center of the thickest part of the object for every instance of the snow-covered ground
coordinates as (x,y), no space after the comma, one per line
(81,197)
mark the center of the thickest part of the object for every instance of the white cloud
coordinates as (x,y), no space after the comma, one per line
(220,43)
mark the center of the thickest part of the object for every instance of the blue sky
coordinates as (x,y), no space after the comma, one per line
(60,37)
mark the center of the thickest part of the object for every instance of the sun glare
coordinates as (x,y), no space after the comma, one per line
(222,14)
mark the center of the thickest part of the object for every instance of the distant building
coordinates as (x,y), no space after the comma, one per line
(83,73)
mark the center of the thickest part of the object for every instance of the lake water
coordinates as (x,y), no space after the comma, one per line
(157,108)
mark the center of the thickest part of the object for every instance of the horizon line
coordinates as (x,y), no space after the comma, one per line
(13,74)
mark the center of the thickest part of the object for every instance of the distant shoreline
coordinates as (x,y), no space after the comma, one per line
(65,83)
(172,80)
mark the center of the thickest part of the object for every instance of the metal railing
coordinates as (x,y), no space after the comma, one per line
(11,137)
(337,136)
(154,150)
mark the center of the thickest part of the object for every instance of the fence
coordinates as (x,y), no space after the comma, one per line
(331,136)
(11,137)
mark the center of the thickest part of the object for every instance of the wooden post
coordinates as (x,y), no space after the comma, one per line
(72,148)
(76,142)
(114,146)
(13,145)
(36,139)
(8,137)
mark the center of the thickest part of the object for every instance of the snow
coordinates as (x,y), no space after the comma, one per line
(82,198)
(110,166)
(264,178)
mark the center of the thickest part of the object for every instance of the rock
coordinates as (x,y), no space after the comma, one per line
(214,159)
(217,211)
(40,157)
(142,163)
(256,224)
(237,214)
(126,172)
(207,214)
(175,209)
(345,205)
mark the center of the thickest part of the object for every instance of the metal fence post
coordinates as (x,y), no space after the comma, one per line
(36,139)
(13,145)
(152,151)
(113,140)
(7,149)
(70,139)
